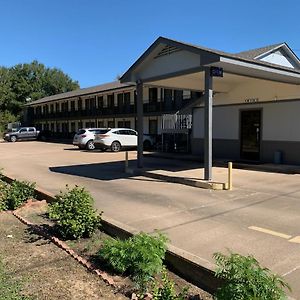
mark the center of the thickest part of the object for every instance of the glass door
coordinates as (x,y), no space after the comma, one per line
(250,134)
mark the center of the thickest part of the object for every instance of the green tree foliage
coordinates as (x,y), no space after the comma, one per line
(245,279)
(32,81)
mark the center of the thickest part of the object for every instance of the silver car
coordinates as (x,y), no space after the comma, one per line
(84,138)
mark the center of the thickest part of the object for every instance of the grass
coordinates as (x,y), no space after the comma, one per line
(10,289)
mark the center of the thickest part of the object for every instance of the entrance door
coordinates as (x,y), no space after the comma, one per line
(250,134)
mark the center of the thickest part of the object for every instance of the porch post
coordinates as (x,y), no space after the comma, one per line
(140,122)
(208,98)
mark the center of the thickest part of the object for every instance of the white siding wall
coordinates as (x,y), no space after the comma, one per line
(280,121)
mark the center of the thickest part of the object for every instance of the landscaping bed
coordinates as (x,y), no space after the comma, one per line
(43,270)
(36,212)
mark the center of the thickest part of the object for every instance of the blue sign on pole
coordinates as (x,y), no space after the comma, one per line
(216,72)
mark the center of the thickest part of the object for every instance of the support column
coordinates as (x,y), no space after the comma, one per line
(140,122)
(208,99)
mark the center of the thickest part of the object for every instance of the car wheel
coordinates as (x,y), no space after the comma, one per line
(90,145)
(147,144)
(13,138)
(115,146)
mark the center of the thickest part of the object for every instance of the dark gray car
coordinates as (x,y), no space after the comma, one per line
(23,133)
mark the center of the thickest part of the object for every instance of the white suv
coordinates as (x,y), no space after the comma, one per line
(118,138)
(84,138)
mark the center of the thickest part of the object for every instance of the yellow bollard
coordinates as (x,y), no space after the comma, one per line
(229,185)
(126,161)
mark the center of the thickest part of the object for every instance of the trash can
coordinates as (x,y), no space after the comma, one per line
(277,157)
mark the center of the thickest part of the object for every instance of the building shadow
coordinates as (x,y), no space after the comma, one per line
(107,171)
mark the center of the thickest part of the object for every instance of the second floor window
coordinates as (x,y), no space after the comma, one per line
(152,95)
(79,104)
(72,105)
(110,100)
(100,101)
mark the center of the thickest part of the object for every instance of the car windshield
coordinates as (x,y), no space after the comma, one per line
(99,131)
(81,131)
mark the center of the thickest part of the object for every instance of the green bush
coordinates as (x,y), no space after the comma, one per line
(166,289)
(74,214)
(3,192)
(141,256)
(17,193)
(245,279)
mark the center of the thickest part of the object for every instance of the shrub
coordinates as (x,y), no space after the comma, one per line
(17,193)
(166,290)
(245,279)
(74,214)
(141,256)
(3,192)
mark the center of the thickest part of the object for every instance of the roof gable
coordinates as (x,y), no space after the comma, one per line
(278,54)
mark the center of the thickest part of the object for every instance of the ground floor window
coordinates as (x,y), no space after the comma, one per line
(124,124)
(111,124)
(153,127)
(100,124)
(73,129)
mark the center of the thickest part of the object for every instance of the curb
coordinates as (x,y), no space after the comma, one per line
(179,180)
(192,268)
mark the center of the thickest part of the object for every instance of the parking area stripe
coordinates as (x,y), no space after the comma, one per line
(271,232)
(295,239)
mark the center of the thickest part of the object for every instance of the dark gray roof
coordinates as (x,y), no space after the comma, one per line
(85,91)
(252,54)
(192,47)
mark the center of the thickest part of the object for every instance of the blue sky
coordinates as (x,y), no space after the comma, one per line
(94,41)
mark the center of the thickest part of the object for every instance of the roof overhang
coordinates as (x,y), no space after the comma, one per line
(186,59)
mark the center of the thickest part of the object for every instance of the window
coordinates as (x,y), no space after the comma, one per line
(79,104)
(111,124)
(87,104)
(152,95)
(93,103)
(51,108)
(100,124)
(168,95)
(120,124)
(80,124)
(57,107)
(152,126)
(23,130)
(72,105)
(72,126)
(52,127)
(127,98)
(110,100)
(100,101)
(120,100)
(31,130)
(127,124)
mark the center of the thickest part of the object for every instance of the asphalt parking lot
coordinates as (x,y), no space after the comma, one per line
(261,216)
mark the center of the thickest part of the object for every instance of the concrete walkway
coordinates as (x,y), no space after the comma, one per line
(261,216)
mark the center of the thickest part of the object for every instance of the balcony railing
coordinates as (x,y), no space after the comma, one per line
(166,106)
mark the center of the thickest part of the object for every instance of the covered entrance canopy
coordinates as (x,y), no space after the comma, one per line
(169,63)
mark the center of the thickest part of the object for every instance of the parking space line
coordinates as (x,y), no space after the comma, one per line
(295,239)
(271,232)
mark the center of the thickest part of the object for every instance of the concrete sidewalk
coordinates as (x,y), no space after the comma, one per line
(260,216)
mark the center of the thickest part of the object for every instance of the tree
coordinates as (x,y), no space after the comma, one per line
(30,81)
